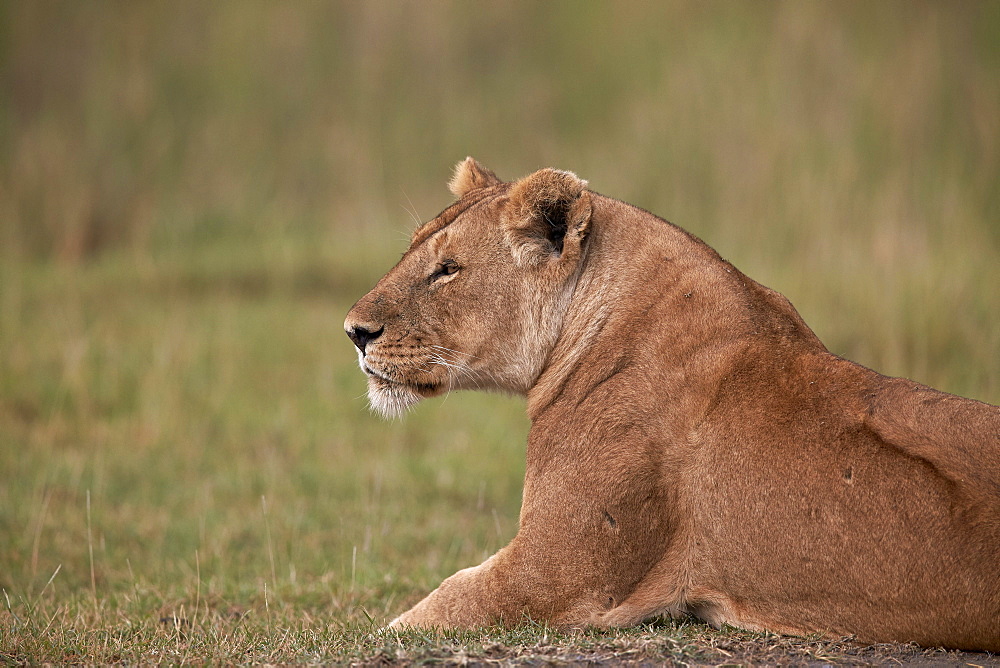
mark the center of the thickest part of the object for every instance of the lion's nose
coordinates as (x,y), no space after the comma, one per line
(362,336)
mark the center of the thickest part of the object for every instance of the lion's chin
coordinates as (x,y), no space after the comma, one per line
(390,399)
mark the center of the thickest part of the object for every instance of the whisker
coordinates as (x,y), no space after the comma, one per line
(461,370)
(412,210)
(450,364)
(457,352)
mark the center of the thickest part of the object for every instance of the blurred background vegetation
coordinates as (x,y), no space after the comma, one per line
(192,194)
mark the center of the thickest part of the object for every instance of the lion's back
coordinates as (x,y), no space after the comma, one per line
(960,437)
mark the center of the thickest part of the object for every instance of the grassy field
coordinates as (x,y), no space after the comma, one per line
(192,195)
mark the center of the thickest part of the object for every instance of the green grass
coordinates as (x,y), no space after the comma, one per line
(191,200)
(232,635)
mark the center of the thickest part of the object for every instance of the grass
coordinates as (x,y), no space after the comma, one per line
(238,636)
(191,200)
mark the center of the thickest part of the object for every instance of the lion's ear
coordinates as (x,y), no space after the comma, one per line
(470,175)
(548,217)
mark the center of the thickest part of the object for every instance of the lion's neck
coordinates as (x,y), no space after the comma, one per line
(655,312)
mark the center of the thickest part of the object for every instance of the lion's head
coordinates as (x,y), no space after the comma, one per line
(478,298)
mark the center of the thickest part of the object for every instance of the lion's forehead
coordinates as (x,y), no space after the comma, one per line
(452,213)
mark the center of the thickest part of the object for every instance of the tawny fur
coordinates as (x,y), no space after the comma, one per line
(694,447)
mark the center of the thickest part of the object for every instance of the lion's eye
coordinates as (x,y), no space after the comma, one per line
(446,268)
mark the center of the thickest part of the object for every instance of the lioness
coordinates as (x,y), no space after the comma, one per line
(694,448)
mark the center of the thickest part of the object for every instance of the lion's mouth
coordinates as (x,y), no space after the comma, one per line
(426,389)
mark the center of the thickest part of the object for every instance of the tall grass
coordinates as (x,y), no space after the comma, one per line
(193,194)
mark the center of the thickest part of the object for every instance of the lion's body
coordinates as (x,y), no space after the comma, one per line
(694,447)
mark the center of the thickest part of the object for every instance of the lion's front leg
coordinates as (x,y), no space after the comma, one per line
(514,585)
(571,564)
(469,598)
(506,589)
